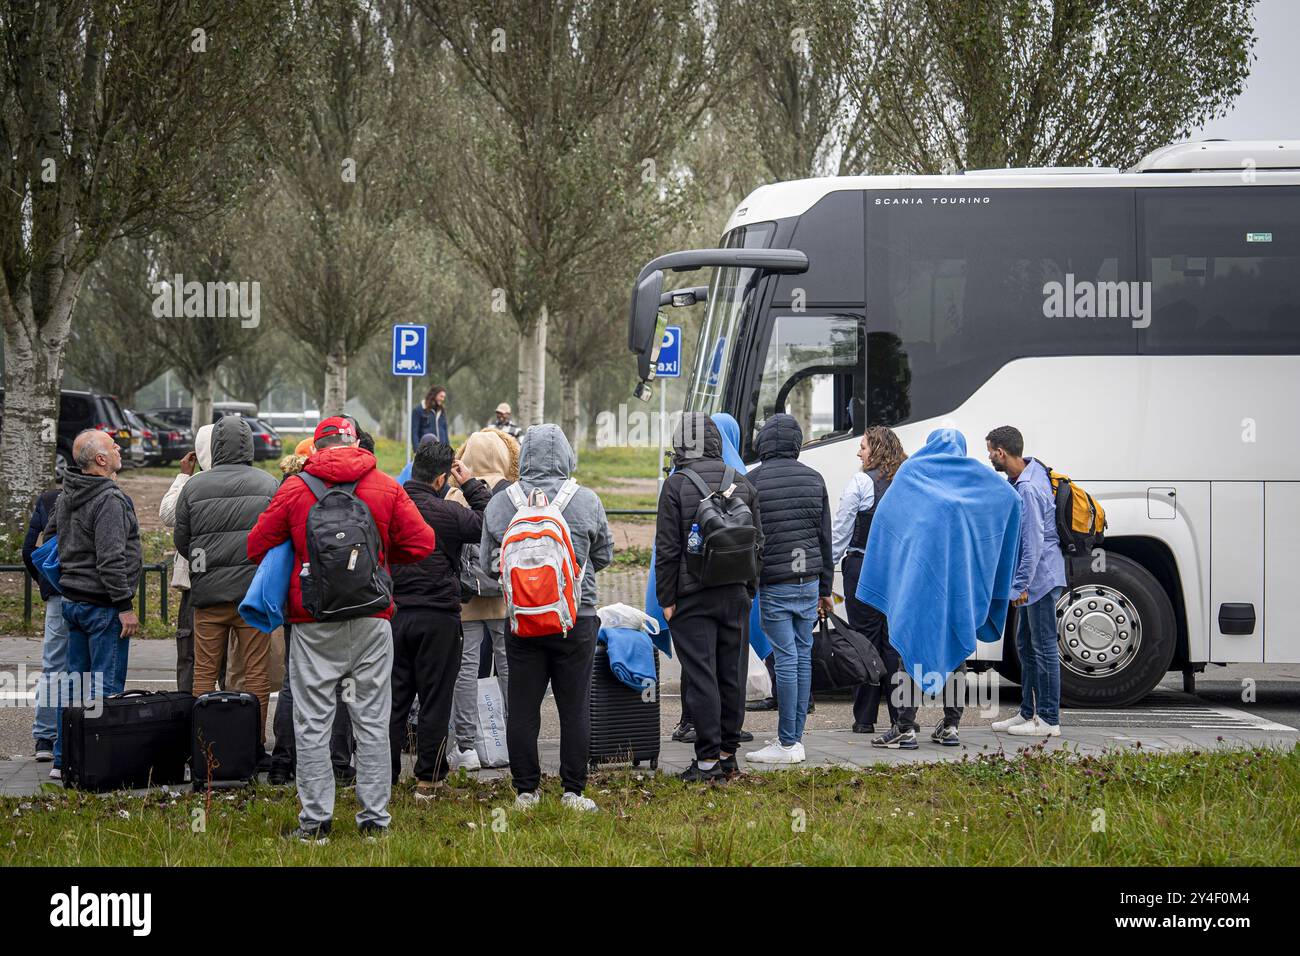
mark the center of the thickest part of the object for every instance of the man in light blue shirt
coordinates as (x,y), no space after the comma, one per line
(1037,583)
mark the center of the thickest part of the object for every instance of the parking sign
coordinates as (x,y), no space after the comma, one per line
(410,349)
(670,354)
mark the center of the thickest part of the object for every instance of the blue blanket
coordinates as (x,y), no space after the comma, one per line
(631,656)
(46,560)
(940,557)
(265,604)
(757,639)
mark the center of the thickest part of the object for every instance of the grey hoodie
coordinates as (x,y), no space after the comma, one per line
(99,541)
(545,460)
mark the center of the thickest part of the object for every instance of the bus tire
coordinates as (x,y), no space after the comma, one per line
(1124,609)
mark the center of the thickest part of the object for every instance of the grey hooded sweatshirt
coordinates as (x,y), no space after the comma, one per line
(545,460)
(99,541)
(216,510)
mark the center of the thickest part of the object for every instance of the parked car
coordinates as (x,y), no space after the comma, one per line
(174,441)
(267,443)
(136,427)
(80,409)
(148,437)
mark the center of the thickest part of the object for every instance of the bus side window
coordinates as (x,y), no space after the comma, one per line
(813,371)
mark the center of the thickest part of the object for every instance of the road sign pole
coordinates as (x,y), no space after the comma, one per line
(410,414)
(663,387)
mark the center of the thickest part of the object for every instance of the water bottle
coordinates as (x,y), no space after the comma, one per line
(694,543)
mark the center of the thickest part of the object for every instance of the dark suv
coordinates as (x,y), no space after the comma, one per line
(79,410)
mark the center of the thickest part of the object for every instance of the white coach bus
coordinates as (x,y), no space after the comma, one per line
(1141,328)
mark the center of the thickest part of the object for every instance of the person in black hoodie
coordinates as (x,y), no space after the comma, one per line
(99,559)
(427,637)
(709,624)
(798,571)
(54,648)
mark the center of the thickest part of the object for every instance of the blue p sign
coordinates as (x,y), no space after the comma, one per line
(409,349)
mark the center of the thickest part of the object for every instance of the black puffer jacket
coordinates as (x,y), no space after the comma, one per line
(216,510)
(697,445)
(796,508)
(435,581)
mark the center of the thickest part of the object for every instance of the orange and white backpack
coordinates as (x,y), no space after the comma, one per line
(539,570)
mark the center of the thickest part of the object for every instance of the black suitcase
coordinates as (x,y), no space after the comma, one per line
(624,726)
(226,731)
(141,738)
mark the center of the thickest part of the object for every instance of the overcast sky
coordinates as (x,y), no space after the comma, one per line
(1269,107)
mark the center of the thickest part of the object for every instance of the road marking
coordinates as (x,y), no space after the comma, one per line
(1192,716)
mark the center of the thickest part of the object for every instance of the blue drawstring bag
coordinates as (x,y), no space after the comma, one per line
(46,559)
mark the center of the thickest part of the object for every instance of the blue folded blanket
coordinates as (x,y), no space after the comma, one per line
(264,606)
(46,559)
(631,655)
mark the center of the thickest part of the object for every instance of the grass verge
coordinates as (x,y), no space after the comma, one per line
(1124,808)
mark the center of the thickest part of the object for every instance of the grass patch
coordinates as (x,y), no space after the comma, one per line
(632,557)
(1193,809)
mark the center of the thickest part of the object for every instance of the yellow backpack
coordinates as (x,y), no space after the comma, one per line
(1080,519)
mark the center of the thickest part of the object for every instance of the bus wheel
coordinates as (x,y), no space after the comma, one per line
(1116,633)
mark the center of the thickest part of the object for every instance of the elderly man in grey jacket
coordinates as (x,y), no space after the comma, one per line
(546,461)
(216,510)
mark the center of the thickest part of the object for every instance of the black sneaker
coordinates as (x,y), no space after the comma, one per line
(864,728)
(684,733)
(693,774)
(263,762)
(318,834)
(371,831)
(895,739)
(767,703)
(44,751)
(345,776)
(746,737)
(278,777)
(730,767)
(945,735)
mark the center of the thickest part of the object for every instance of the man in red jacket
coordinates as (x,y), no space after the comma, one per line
(357,653)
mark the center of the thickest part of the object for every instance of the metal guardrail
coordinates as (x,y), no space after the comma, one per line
(162,568)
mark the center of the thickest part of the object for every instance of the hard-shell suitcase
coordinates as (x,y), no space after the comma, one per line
(624,725)
(135,739)
(226,731)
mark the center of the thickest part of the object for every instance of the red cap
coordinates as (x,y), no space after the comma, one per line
(334,425)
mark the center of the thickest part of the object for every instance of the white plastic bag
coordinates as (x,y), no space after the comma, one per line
(758,682)
(490,740)
(625,615)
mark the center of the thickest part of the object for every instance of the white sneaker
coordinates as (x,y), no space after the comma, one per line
(1036,728)
(776,752)
(459,759)
(1012,721)
(576,801)
(56,774)
(527,800)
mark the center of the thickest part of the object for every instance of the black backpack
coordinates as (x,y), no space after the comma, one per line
(345,577)
(730,551)
(474,582)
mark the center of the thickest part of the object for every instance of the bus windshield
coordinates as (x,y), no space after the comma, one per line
(730,292)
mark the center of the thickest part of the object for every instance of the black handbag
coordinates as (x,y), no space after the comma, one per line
(843,657)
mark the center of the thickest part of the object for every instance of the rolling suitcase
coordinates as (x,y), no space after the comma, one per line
(226,731)
(624,726)
(141,738)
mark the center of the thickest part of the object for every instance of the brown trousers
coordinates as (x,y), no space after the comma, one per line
(215,629)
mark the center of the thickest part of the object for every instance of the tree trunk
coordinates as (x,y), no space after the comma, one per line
(201,390)
(532,372)
(336,382)
(570,390)
(33,365)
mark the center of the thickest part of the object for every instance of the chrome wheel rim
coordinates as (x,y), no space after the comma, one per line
(1098,630)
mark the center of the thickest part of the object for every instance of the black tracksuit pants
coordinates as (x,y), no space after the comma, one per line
(710,631)
(426,659)
(565,662)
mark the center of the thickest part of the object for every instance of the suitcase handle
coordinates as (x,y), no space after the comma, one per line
(133,692)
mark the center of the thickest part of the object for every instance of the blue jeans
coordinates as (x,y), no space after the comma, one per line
(789,616)
(1040,659)
(97,656)
(54,661)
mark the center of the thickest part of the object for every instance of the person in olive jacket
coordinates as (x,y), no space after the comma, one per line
(216,510)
